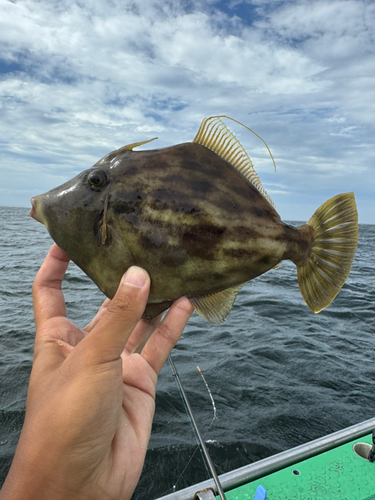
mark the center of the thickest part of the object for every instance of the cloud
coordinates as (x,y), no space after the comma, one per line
(332,31)
(80,79)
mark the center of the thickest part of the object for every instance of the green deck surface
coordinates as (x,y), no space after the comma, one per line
(337,474)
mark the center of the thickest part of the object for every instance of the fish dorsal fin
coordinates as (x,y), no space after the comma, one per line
(110,156)
(216,308)
(214,134)
(130,147)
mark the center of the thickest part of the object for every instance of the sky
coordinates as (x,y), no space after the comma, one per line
(81,78)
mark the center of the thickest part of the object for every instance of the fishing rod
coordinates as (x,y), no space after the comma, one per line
(197,432)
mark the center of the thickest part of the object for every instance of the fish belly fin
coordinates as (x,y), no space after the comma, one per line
(335,225)
(153,309)
(216,308)
(214,135)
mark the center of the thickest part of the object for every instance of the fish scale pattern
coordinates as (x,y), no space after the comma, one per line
(337,474)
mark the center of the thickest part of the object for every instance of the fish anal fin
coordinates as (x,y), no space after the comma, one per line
(335,226)
(215,135)
(216,308)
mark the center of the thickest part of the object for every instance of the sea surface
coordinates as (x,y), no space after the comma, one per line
(278,374)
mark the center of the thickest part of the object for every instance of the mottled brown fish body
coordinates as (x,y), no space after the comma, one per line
(193,222)
(183,213)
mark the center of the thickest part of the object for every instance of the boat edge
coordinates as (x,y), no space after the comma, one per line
(266,466)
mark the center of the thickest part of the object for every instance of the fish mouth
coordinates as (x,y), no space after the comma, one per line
(36,212)
(32,212)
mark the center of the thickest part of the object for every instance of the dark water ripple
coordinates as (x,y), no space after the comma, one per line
(279,375)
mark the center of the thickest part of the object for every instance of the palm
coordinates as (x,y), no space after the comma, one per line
(123,406)
(128,427)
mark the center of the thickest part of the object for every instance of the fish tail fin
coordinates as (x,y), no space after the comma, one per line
(335,225)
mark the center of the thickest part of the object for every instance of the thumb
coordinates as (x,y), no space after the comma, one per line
(106,341)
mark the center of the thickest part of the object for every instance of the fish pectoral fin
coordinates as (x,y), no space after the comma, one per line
(216,308)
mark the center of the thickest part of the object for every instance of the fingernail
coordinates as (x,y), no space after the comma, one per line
(135,276)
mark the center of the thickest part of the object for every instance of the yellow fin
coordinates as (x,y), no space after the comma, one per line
(336,235)
(130,147)
(214,134)
(216,308)
(110,156)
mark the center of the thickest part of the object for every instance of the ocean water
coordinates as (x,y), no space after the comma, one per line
(278,374)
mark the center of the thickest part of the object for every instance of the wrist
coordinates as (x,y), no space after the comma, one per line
(34,475)
(27,483)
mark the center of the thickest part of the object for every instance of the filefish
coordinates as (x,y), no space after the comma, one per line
(197,218)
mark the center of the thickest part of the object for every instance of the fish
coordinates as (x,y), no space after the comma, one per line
(196,217)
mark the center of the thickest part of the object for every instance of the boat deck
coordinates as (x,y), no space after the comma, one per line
(327,468)
(337,474)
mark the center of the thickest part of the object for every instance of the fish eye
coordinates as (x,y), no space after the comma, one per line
(97,178)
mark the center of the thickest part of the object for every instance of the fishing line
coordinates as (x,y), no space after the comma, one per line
(185,403)
(212,398)
(205,432)
(198,435)
(192,455)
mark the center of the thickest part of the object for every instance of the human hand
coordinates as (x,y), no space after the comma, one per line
(91,396)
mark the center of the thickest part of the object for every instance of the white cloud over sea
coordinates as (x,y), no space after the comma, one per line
(79,79)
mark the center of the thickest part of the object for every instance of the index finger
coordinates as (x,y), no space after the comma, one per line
(47,295)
